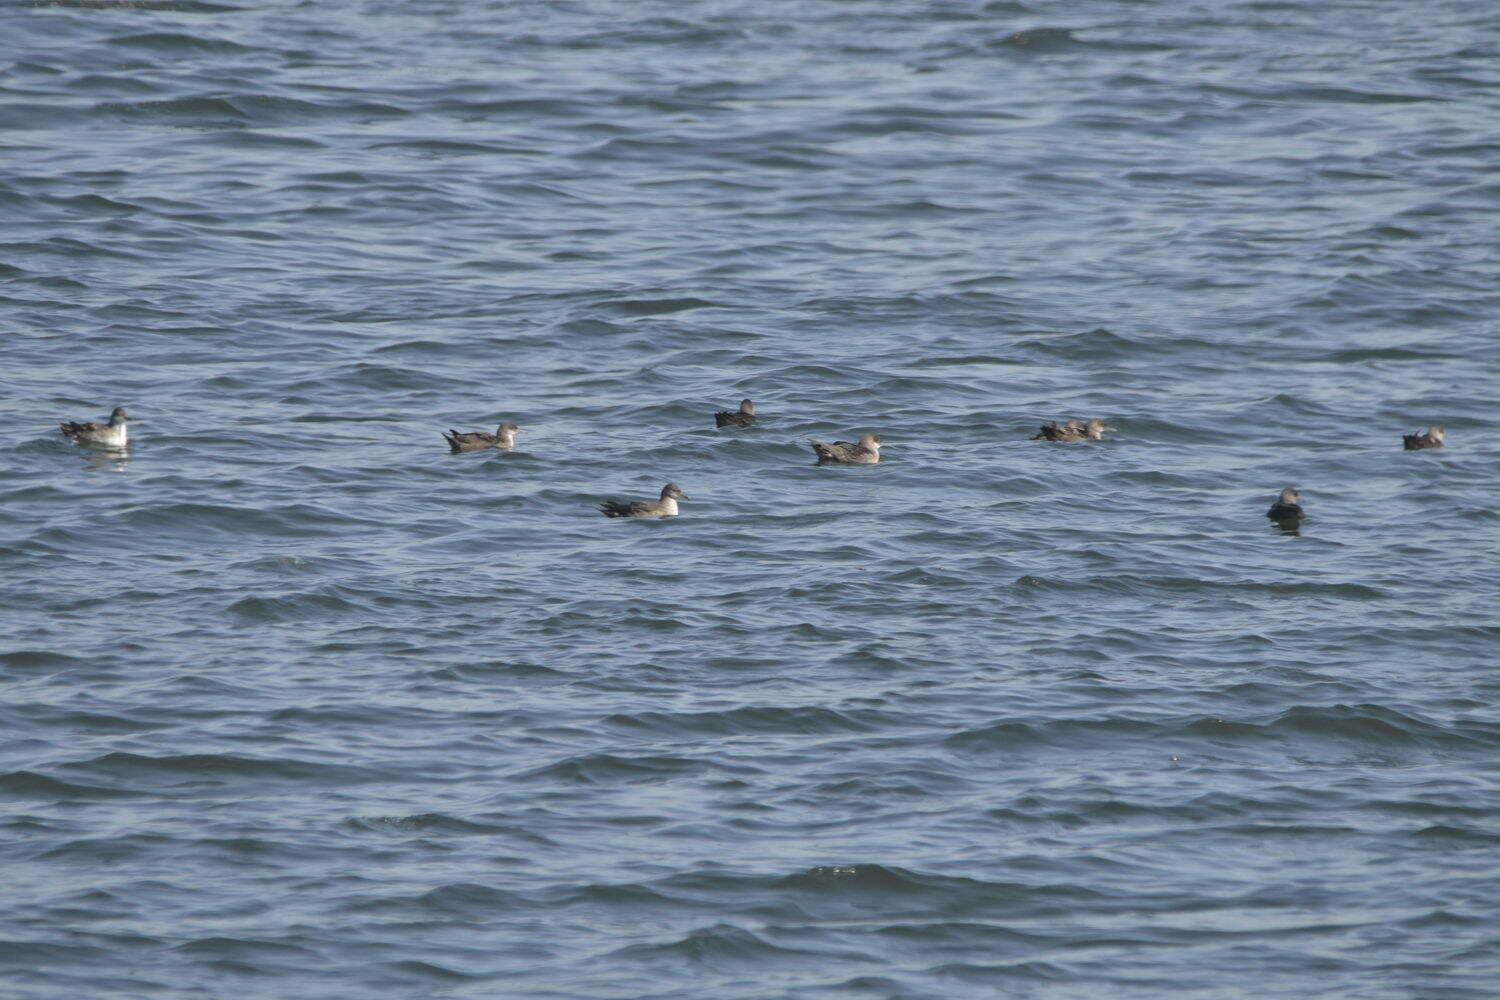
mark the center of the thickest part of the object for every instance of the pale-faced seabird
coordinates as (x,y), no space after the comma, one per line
(665,507)
(504,437)
(744,418)
(1094,428)
(1287,506)
(866,452)
(110,435)
(1432,439)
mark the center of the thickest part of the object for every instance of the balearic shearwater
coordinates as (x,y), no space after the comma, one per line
(1287,506)
(1094,428)
(110,435)
(744,418)
(665,507)
(866,452)
(1432,439)
(1074,430)
(504,437)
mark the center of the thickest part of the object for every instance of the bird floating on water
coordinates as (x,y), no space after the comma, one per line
(1070,431)
(866,452)
(504,437)
(744,418)
(110,435)
(665,507)
(1095,428)
(1432,439)
(1074,430)
(1287,507)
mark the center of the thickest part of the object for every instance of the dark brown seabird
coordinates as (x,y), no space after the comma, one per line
(1074,430)
(1416,442)
(744,418)
(504,437)
(665,507)
(866,452)
(110,435)
(1287,506)
(1070,431)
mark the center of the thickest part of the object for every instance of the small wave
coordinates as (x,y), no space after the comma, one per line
(1004,972)
(444,824)
(757,720)
(1378,726)
(297,607)
(30,785)
(1456,837)
(250,140)
(97,722)
(631,895)
(176,42)
(30,659)
(659,31)
(165,6)
(1039,40)
(527,109)
(1144,586)
(1010,735)
(196,111)
(492,669)
(431,970)
(23,954)
(1341,95)
(724,945)
(660,307)
(374,377)
(291,521)
(1368,725)
(1093,344)
(856,877)
(71,249)
(136,766)
(466,899)
(1387,354)
(439,147)
(856,887)
(611,769)
(228,947)
(91,203)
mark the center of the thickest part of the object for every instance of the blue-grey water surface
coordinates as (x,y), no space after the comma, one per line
(298,705)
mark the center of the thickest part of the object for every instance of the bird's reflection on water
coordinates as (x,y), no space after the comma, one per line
(107,459)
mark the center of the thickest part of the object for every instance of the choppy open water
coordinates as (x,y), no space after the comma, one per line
(297,705)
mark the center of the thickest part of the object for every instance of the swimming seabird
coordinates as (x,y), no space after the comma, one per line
(1287,507)
(744,418)
(1070,431)
(504,437)
(1094,428)
(110,435)
(866,452)
(665,507)
(1432,439)
(1074,430)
